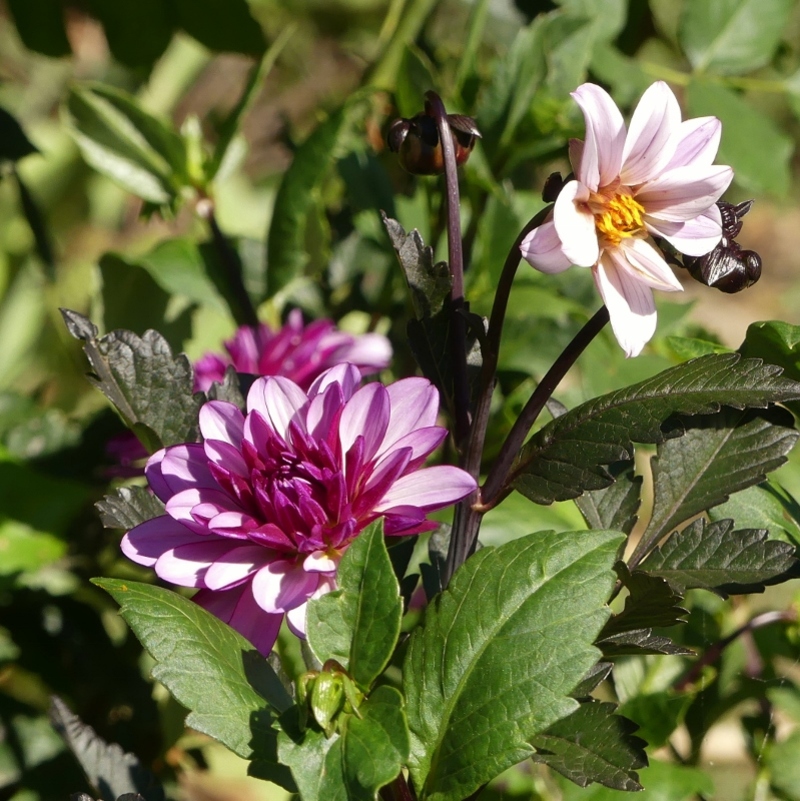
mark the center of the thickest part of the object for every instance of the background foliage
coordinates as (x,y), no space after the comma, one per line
(120,115)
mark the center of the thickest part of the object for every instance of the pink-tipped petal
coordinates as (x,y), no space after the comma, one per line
(630,306)
(278,399)
(347,376)
(694,237)
(235,566)
(222,421)
(283,585)
(575,225)
(542,249)
(430,488)
(697,143)
(366,414)
(651,141)
(685,192)
(605,136)
(149,540)
(645,264)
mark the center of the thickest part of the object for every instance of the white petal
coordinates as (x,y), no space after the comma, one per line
(223,421)
(574,225)
(542,249)
(236,565)
(697,142)
(320,562)
(278,399)
(685,192)
(630,306)
(650,142)
(694,237)
(605,136)
(645,263)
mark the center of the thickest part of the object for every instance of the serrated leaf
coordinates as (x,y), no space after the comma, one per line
(638,643)
(652,602)
(151,389)
(358,624)
(374,746)
(202,662)
(569,455)
(127,507)
(594,745)
(778,343)
(498,654)
(730,37)
(658,715)
(759,152)
(767,506)
(719,454)
(109,769)
(714,556)
(306,754)
(125,143)
(616,506)
(594,677)
(230,389)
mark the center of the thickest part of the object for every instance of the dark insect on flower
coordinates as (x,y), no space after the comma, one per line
(553,186)
(417,143)
(727,267)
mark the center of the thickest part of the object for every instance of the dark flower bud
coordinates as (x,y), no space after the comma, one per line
(552,187)
(727,267)
(416,141)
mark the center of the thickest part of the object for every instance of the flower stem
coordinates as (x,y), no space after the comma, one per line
(242,307)
(467,519)
(497,484)
(458,324)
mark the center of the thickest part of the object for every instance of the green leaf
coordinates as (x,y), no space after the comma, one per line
(40,24)
(150,389)
(729,37)
(596,674)
(751,143)
(202,662)
(784,768)
(127,507)
(107,767)
(286,251)
(125,143)
(593,745)
(312,758)
(225,25)
(25,550)
(358,624)
(691,347)
(498,654)
(137,31)
(569,455)
(714,556)
(639,642)
(374,746)
(776,343)
(719,454)
(658,714)
(766,506)
(616,506)
(14,144)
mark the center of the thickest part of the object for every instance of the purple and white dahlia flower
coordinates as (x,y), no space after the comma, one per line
(259,514)
(656,178)
(298,351)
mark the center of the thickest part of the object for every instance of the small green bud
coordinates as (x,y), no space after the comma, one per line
(327,700)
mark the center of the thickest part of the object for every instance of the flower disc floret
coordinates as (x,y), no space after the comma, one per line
(654,179)
(259,514)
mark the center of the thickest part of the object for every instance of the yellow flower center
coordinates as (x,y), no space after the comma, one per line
(618,218)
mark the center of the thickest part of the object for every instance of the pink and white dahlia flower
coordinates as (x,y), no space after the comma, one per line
(259,514)
(297,351)
(656,178)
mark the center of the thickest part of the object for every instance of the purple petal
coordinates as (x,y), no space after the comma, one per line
(414,404)
(346,375)
(369,352)
(177,468)
(542,249)
(685,192)
(694,237)
(646,264)
(651,140)
(236,565)
(323,412)
(239,609)
(283,585)
(182,506)
(186,564)
(421,442)
(296,618)
(226,456)
(630,306)
(574,224)
(429,488)
(697,142)
(278,399)
(366,414)
(222,421)
(149,540)
(605,136)
(232,524)
(320,562)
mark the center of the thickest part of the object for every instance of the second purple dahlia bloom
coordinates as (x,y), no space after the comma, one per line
(655,178)
(260,513)
(298,351)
